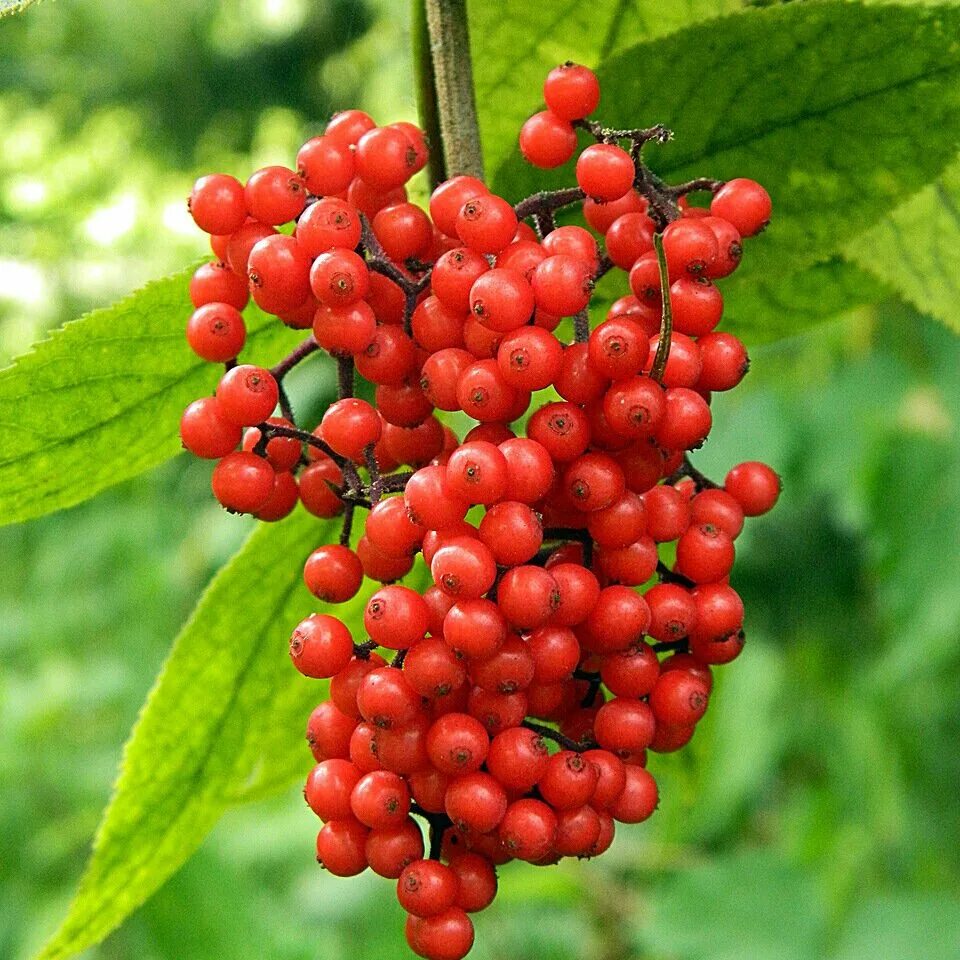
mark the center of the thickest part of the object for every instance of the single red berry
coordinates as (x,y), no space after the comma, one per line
(321,646)
(678,699)
(242,482)
(380,799)
(217,204)
(247,394)
(396,617)
(639,798)
(546,141)
(328,787)
(501,299)
(426,888)
(744,203)
(275,195)
(528,829)
(341,847)
(206,432)
(571,91)
(605,172)
(279,274)
(754,486)
(486,223)
(328,223)
(388,851)
(404,231)
(448,199)
(325,165)
(705,553)
(446,936)
(333,573)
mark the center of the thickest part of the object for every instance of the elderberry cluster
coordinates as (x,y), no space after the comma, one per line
(580,570)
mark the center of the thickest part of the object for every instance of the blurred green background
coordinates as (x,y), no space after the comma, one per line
(816,814)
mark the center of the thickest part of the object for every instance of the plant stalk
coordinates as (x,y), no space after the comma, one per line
(449,38)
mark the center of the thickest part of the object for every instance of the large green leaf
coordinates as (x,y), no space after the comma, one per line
(810,99)
(914,249)
(100,400)
(223,722)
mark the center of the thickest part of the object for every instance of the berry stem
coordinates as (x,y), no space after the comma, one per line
(692,186)
(666,321)
(301,352)
(363,650)
(344,377)
(449,34)
(546,201)
(557,737)
(347,527)
(667,575)
(700,480)
(376,481)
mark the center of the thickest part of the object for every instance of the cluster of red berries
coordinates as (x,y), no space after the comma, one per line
(580,572)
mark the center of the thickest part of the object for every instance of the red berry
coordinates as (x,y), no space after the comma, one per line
(571,91)
(321,646)
(242,482)
(744,203)
(350,426)
(396,617)
(333,573)
(275,195)
(486,223)
(217,204)
(754,486)
(546,141)
(426,888)
(206,432)
(605,172)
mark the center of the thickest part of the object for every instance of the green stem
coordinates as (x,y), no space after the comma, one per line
(449,36)
(666,321)
(426,93)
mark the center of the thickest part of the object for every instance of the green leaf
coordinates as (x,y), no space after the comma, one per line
(515,45)
(812,100)
(914,248)
(100,400)
(222,722)
(764,307)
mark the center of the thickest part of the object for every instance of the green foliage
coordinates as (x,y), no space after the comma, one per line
(913,248)
(101,399)
(209,734)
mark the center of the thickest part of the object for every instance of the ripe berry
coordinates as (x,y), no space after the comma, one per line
(477,472)
(326,224)
(380,799)
(457,744)
(206,432)
(678,699)
(705,554)
(388,851)
(217,204)
(568,780)
(464,568)
(325,165)
(341,847)
(639,798)
(333,573)
(745,204)
(339,278)
(486,223)
(426,888)
(321,646)
(328,789)
(605,172)
(350,426)
(446,936)
(242,482)
(501,299)
(571,91)
(546,141)
(477,881)
(527,596)
(454,275)
(476,802)
(279,274)
(396,617)
(754,486)
(448,199)
(528,829)
(275,195)
(216,283)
